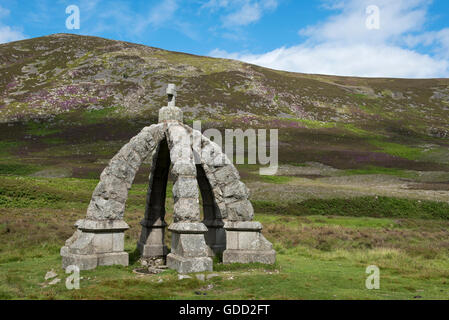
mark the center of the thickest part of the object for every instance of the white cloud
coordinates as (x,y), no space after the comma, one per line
(163,12)
(438,39)
(247,14)
(8,34)
(396,18)
(352,60)
(3,12)
(240,12)
(123,19)
(342,45)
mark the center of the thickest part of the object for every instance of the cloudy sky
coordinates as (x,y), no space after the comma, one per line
(374,38)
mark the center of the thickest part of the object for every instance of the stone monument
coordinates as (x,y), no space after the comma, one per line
(197,165)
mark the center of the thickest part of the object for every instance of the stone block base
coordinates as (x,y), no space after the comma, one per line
(152,251)
(91,261)
(246,244)
(215,237)
(96,243)
(151,243)
(249,256)
(189,265)
(189,250)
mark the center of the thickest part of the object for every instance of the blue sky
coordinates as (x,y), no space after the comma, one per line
(329,36)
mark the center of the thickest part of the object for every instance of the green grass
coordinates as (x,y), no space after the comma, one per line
(323,248)
(355,130)
(19,169)
(397,150)
(383,207)
(96,116)
(361,96)
(54,140)
(6,147)
(381,170)
(40,129)
(300,273)
(314,124)
(275,179)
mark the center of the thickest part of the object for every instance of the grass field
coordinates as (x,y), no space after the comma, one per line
(328,218)
(321,254)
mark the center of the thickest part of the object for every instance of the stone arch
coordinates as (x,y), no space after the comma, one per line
(213,220)
(151,243)
(197,165)
(109,197)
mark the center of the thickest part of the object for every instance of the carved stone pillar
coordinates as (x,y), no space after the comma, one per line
(189,252)
(151,244)
(96,243)
(246,244)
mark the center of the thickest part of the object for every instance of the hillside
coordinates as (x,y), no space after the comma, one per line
(58,73)
(66,90)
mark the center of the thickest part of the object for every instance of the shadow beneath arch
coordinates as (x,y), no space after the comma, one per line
(134,256)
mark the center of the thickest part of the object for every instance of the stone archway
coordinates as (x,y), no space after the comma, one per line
(151,243)
(197,165)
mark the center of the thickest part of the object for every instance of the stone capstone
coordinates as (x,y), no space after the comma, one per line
(170,113)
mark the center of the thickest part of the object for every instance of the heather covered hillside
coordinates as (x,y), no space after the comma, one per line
(62,92)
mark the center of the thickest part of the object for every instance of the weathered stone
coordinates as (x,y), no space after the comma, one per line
(221,211)
(198,163)
(247,256)
(236,189)
(186,209)
(111,187)
(226,175)
(151,243)
(170,114)
(246,244)
(184,168)
(178,134)
(181,153)
(130,156)
(50,274)
(102,225)
(113,258)
(105,209)
(156,132)
(212,275)
(189,245)
(189,265)
(120,169)
(240,211)
(142,146)
(185,187)
(209,153)
(201,277)
(189,250)
(98,242)
(243,226)
(188,227)
(54,281)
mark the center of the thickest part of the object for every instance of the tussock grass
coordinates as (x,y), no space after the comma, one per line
(319,255)
(372,206)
